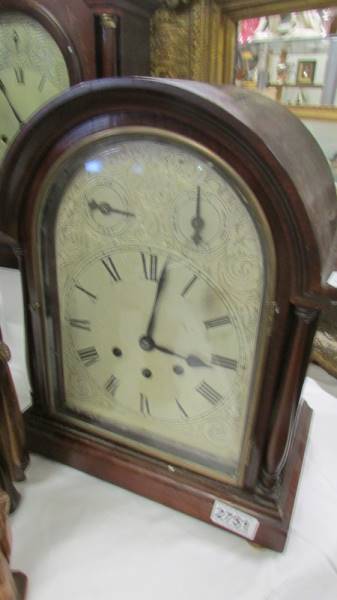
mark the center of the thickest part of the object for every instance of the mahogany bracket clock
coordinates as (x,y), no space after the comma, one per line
(47,46)
(177,242)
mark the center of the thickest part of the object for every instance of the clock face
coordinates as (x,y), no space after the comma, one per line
(32,71)
(159,326)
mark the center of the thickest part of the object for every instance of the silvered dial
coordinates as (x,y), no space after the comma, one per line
(161,281)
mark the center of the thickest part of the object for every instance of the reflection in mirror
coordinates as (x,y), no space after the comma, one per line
(291,57)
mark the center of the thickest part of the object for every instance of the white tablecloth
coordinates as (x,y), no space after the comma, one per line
(78,537)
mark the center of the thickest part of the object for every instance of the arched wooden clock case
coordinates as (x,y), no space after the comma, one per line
(255,156)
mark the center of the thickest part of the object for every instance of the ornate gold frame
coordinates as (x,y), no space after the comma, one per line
(196,39)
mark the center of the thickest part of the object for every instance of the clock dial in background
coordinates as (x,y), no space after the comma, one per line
(160,329)
(32,71)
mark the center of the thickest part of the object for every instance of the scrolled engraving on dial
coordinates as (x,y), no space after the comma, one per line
(161,282)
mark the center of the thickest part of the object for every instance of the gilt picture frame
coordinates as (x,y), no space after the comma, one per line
(306,72)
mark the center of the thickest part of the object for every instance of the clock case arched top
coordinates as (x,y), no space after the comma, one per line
(285,169)
(269,147)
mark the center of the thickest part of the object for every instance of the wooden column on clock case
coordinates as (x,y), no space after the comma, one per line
(107,45)
(122,36)
(288,394)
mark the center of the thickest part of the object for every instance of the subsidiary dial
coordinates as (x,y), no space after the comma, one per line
(106,204)
(199,221)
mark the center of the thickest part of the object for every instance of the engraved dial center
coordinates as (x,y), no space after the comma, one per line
(187,336)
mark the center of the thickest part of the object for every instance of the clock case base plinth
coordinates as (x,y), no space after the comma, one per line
(176,487)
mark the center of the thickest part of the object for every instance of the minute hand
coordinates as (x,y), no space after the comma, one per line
(151,324)
(191,359)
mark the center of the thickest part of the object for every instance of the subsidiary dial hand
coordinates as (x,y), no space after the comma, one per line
(191,359)
(106,209)
(5,93)
(197,222)
(152,320)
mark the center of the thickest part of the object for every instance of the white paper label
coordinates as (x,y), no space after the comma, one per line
(333,279)
(234,520)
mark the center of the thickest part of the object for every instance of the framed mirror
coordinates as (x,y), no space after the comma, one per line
(290,57)
(287,50)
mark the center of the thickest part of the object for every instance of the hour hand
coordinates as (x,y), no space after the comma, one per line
(106,209)
(195,361)
(190,359)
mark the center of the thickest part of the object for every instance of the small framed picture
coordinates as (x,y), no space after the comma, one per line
(306,72)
